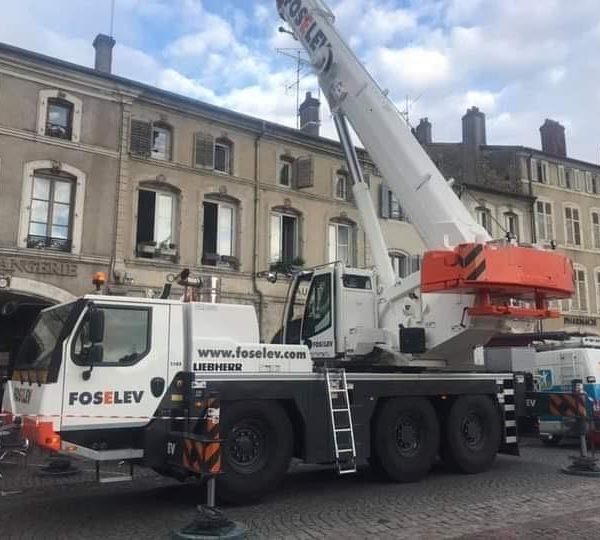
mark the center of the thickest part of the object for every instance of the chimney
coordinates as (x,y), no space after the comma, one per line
(104,45)
(423,131)
(309,115)
(553,138)
(473,128)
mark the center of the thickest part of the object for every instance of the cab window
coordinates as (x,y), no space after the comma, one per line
(126,336)
(317,316)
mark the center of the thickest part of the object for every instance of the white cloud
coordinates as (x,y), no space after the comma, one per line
(411,68)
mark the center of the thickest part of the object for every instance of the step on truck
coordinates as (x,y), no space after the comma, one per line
(366,369)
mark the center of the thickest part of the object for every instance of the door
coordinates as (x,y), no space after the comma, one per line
(318,328)
(125,387)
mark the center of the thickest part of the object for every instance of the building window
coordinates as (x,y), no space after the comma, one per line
(596,228)
(284,238)
(59,120)
(511,224)
(161,142)
(597,286)
(341,243)
(223,156)
(59,115)
(218,236)
(541,171)
(572,226)
(577,179)
(589,184)
(389,207)
(341,186)
(484,218)
(404,265)
(561,176)
(568,178)
(51,214)
(543,221)
(579,302)
(156,224)
(286,166)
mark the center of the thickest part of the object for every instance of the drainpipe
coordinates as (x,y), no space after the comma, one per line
(257,292)
(116,223)
(532,209)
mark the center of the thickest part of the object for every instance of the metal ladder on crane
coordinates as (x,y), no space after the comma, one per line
(341,420)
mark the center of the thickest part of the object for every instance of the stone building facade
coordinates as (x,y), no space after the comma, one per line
(103,174)
(539,196)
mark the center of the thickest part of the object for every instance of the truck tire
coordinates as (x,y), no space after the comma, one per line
(257,450)
(472,434)
(406,438)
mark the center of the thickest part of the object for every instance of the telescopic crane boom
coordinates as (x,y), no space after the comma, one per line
(483,283)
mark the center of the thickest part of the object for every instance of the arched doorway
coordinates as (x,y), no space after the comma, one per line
(20,303)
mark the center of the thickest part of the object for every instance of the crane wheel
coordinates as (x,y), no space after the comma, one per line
(472,434)
(257,450)
(406,438)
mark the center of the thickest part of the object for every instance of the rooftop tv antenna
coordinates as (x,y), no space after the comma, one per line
(112,17)
(301,61)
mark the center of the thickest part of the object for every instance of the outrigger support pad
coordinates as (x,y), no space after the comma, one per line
(211,523)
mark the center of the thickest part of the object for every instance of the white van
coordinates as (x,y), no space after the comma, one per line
(556,365)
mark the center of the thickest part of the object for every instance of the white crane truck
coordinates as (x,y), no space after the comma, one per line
(370,369)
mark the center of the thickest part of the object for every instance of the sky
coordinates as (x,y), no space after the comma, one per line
(519,61)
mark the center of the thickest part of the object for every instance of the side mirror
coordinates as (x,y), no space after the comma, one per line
(96,325)
(94,356)
(28,351)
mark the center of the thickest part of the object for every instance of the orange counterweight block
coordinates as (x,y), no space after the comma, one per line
(507,280)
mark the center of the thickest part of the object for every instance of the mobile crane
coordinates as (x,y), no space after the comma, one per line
(374,370)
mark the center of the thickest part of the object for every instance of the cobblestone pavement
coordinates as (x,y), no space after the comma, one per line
(524,497)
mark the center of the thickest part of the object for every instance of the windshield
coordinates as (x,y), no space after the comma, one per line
(46,332)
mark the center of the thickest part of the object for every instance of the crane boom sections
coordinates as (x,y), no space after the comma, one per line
(435,210)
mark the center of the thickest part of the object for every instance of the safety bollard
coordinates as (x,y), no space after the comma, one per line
(582,465)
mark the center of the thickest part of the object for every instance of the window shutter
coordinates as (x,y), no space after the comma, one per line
(304,172)
(140,139)
(204,150)
(384,201)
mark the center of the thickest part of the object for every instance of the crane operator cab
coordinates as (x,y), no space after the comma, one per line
(330,309)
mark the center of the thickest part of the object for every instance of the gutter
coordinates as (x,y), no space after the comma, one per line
(258,293)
